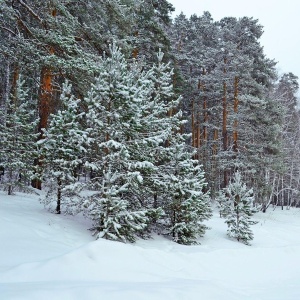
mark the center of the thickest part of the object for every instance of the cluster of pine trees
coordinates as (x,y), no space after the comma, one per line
(140,121)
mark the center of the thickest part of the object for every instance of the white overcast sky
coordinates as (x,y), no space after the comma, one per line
(281,38)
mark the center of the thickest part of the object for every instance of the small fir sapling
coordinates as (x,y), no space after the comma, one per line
(236,206)
(189,204)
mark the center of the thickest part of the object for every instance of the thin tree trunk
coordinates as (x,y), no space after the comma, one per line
(107,137)
(282,194)
(215,146)
(135,51)
(198,133)
(224,124)
(235,107)
(205,133)
(193,123)
(58,195)
(205,119)
(5,95)
(224,132)
(12,109)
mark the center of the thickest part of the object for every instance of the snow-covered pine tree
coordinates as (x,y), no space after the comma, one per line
(236,206)
(179,180)
(17,136)
(136,150)
(114,217)
(63,147)
(159,122)
(114,118)
(188,203)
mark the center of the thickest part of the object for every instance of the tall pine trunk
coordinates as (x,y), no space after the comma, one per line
(224,124)
(45,108)
(45,104)
(235,107)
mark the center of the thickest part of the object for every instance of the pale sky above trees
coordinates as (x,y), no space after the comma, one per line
(281,38)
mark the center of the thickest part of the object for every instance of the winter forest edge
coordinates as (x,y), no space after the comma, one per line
(143,123)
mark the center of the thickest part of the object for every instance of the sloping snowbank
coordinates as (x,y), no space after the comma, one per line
(47,256)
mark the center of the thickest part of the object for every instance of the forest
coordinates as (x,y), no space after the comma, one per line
(141,122)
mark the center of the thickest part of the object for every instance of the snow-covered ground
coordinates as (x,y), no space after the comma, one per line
(46,256)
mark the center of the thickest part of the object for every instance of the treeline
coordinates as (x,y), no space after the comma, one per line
(138,121)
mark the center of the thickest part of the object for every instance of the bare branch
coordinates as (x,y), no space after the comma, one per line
(30,10)
(7,29)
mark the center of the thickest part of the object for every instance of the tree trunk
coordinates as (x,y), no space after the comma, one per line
(193,124)
(45,105)
(198,134)
(58,196)
(135,51)
(224,124)
(224,132)
(5,95)
(205,113)
(205,133)
(235,107)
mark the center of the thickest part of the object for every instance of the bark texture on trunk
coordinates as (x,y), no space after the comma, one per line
(235,108)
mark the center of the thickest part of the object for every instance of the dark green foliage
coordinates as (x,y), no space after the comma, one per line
(236,206)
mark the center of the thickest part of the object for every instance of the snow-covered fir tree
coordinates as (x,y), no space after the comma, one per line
(180,180)
(236,206)
(17,140)
(132,122)
(63,147)
(114,217)
(188,204)
(114,120)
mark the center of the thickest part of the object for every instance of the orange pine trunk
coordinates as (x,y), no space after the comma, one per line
(193,124)
(205,133)
(215,147)
(46,95)
(224,125)
(235,107)
(45,106)
(135,51)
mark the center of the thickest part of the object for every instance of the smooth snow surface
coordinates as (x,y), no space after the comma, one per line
(53,257)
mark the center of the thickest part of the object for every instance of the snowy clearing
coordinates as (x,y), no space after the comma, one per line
(47,256)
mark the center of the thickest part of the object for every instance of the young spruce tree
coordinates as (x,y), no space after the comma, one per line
(114,121)
(136,152)
(63,147)
(180,180)
(236,206)
(17,136)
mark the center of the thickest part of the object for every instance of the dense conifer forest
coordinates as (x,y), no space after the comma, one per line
(142,122)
